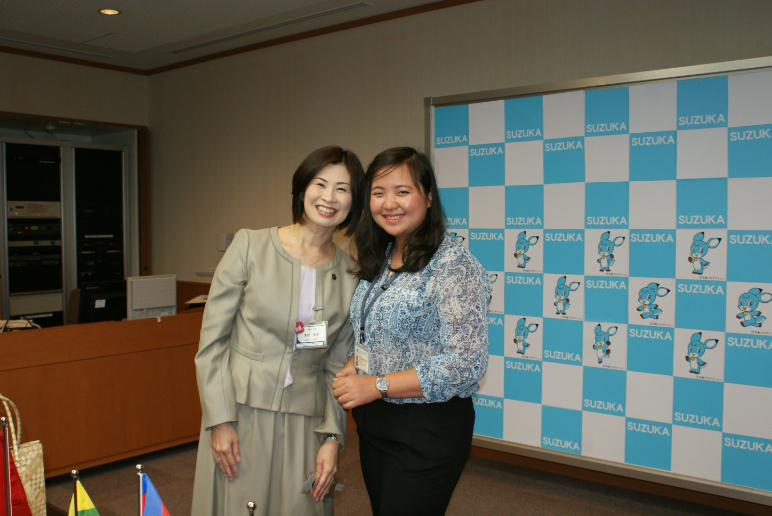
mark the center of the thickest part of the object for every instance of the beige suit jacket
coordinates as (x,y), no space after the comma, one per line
(248,332)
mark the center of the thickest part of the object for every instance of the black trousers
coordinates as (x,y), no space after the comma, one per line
(412,455)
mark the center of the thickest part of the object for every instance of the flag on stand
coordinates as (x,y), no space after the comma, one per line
(151,500)
(19,505)
(85,505)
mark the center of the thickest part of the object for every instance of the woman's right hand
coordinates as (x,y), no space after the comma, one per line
(225,449)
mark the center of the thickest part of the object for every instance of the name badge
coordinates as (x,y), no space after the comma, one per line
(314,336)
(362,359)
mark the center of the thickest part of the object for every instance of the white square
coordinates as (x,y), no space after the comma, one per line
(596,356)
(749,100)
(736,316)
(603,436)
(607,158)
(486,207)
(713,370)
(650,397)
(748,203)
(748,410)
(575,310)
(561,385)
(486,122)
(563,115)
(497,278)
(564,206)
(652,204)
(524,163)
(596,240)
(452,166)
(665,302)
(522,422)
(702,153)
(531,345)
(653,107)
(492,384)
(532,260)
(709,246)
(696,452)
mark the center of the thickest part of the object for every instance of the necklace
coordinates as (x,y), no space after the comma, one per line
(297,241)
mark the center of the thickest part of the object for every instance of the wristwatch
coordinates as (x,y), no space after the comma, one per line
(382,384)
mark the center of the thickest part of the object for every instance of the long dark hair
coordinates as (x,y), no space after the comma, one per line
(316,161)
(371,240)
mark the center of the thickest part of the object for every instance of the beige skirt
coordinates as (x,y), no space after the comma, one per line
(278,451)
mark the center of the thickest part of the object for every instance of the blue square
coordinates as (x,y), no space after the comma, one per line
(698,404)
(488,416)
(487,245)
(455,202)
(522,380)
(648,443)
(486,165)
(523,294)
(701,203)
(703,103)
(564,160)
(607,111)
(564,251)
(451,126)
(748,360)
(701,304)
(750,151)
(495,334)
(607,205)
(525,206)
(653,156)
(562,341)
(604,391)
(749,256)
(605,299)
(524,119)
(652,253)
(650,349)
(746,461)
(561,429)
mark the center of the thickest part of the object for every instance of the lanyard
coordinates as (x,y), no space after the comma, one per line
(365,310)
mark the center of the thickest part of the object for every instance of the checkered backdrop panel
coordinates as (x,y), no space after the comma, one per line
(628,235)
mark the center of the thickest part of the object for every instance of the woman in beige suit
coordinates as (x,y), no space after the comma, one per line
(275,333)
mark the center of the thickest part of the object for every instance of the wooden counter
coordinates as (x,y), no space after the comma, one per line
(96,393)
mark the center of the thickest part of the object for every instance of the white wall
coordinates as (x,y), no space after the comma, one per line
(227,135)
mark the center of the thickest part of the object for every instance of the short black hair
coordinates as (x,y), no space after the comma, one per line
(316,161)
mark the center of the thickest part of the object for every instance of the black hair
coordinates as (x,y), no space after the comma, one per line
(371,240)
(316,161)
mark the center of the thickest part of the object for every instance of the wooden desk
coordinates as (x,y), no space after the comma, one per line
(96,393)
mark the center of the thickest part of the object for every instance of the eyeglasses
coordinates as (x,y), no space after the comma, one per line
(458,238)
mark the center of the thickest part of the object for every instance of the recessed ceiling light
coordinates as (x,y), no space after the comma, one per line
(109,12)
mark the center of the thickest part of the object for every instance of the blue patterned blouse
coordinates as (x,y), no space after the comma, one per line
(435,320)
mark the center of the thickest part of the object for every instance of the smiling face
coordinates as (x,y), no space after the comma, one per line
(397,204)
(605,248)
(327,199)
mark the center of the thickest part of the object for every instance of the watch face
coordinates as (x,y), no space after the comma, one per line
(382,384)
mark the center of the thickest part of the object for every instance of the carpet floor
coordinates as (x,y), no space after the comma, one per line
(486,487)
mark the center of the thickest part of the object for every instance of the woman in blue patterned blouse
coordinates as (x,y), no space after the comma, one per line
(420,315)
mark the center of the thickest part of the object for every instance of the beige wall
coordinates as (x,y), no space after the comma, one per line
(227,135)
(51,88)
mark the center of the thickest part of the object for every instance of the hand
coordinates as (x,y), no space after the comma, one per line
(326,467)
(355,390)
(347,370)
(225,449)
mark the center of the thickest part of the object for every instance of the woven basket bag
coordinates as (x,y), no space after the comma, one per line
(29,462)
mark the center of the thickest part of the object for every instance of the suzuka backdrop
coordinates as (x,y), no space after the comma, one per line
(628,235)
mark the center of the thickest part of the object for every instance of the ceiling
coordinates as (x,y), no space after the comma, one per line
(151,34)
